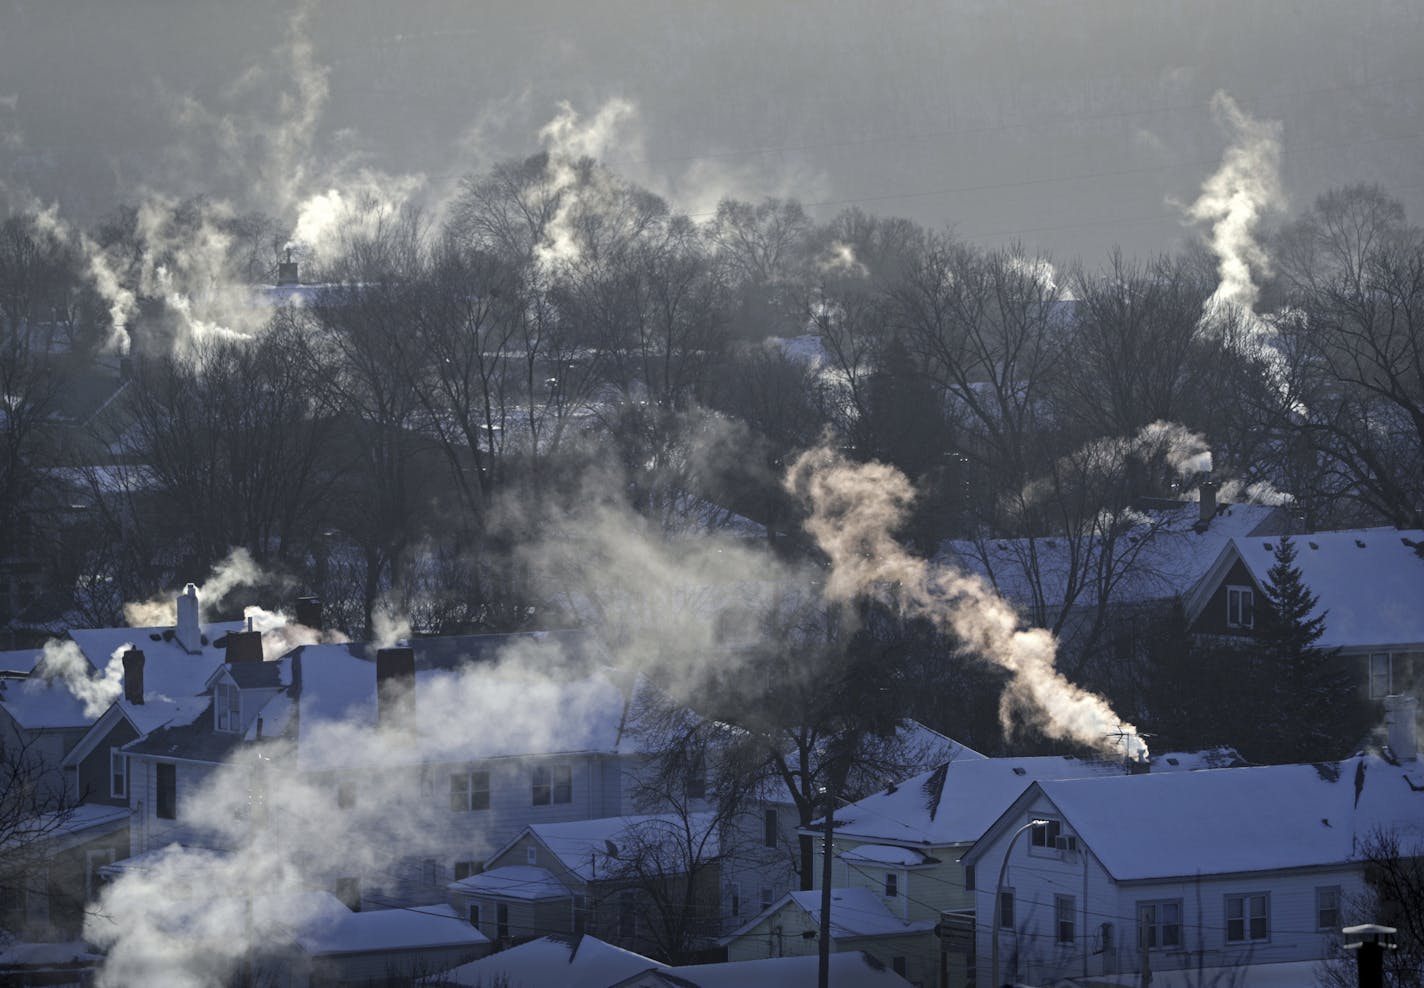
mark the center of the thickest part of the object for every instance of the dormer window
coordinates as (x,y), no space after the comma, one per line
(227,706)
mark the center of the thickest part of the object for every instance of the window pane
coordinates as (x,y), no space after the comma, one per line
(479,791)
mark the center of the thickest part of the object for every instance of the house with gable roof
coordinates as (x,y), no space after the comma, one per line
(1204,871)
(1370,585)
(900,849)
(600,877)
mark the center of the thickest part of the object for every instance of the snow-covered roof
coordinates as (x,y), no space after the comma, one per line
(513,882)
(168,669)
(588,962)
(19,660)
(381,930)
(594,848)
(1232,820)
(43,704)
(855,912)
(75,822)
(198,857)
(885,854)
(1160,558)
(585,961)
(846,969)
(1370,582)
(957,802)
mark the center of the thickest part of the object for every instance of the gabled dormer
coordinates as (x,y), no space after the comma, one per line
(242,685)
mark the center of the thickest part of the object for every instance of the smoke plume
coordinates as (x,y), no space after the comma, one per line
(855,509)
(237,570)
(1235,199)
(61,662)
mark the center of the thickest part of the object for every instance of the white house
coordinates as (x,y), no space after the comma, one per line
(1210,869)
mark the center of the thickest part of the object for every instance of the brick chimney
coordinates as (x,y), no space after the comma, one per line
(395,687)
(287,271)
(187,632)
(1207,492)
(133,676)
(309,612)
(243,646)
(1400,719)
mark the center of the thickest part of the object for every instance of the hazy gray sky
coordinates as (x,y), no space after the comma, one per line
(1069,124)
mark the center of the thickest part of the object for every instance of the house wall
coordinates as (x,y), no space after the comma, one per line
(752,866)
(391,967)
(924,892)
(782,934)
(1212,619)
(93,783)
(150,832)
(1031,952)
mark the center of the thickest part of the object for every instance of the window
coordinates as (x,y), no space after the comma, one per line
(469,791)
(227,702)
(1240,607)
(1006,909)
(429,871)
(1046,836)
(1159,924)
(553,785)
(501,921)
(1248,917)
(897,964)
(1064,912)
(697,778)
(580,914)
(892,885)
(118,774)
(531,856)
(167,782)
(1381,675)
(1327,908)
(735,891)
(464,869)
(765,898)
(474,915)
(771,828)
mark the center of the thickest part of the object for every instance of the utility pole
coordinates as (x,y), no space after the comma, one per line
(823,972)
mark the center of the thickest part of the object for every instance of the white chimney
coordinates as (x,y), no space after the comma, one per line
(1400,712)
(187,632)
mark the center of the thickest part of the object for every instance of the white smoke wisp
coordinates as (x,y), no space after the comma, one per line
(389,624)
(281,633)
(277,810)
(1186,451)
(1237,197)
(855,509)
(237,569)
(62,662)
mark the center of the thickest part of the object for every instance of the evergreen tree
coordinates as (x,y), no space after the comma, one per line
(1316,710)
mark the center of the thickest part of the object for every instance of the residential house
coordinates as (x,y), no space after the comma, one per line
(902,848)
(1101,591)
(1226,868)
(626,879)
(1370,585)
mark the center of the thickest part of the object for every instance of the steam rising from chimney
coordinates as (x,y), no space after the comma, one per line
(855,509)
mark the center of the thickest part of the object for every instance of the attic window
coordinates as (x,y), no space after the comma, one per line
(1359,544)
(1018,771)
(1270,548)
(1313,545)
(1172,761)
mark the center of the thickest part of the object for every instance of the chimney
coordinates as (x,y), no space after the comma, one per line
(133,676)
(243,646)
(1207,493)
(1400,713)
(287,271)
(187,632)
(309,612)
(395,687)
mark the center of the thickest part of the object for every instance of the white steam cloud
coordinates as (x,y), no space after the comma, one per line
(855,509)
(63,663)
(238,569)
(1235,199)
